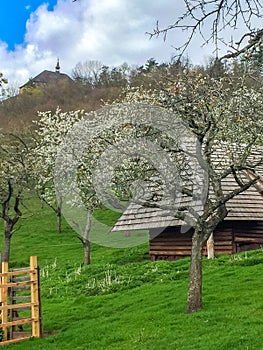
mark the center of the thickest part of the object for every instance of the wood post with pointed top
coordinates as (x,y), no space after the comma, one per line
(4,299)
(35,308)
(210,246)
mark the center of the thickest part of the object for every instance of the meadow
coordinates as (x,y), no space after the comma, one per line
(125,301)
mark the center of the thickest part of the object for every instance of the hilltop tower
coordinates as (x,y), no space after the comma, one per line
(57,67)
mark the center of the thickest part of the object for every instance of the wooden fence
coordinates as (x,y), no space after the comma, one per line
(20,303)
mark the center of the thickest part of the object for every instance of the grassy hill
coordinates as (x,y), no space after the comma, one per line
(124,301)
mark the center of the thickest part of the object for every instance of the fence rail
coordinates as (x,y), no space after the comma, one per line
(10,287)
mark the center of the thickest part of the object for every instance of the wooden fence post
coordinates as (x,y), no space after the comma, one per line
(35,297)
(7,303)
(4,298)
(39,303)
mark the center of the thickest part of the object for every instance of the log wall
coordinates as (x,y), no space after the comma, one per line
(248,236)
(229,237)
(171,244)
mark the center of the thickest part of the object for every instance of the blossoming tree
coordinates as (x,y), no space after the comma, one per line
(224,118)
(14,183)
(52,129)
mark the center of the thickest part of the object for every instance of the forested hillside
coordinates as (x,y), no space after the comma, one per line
(93,84)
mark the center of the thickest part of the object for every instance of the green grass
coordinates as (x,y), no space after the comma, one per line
(124,301)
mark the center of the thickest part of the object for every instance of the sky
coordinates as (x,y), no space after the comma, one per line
(35,33)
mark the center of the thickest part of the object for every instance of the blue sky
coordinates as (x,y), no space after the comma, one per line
(14,14)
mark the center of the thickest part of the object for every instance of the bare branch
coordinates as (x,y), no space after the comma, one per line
(219,15)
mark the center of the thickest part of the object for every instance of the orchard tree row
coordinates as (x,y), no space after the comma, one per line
(217,112)
(135,147)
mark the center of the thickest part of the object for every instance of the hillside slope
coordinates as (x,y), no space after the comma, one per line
(124,301)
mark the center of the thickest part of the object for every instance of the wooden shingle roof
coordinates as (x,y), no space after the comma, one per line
(247,206)
(244,207)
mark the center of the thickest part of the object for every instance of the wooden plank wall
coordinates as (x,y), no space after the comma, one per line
(223,238)
(229,237)
(171,244)
(248,235)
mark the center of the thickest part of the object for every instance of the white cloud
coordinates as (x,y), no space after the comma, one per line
(111,31)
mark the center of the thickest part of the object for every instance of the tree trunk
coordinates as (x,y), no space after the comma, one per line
(59,216)
(86,246)
(127,233)
(194,302)
(210,247)
(8,234)
(85,239)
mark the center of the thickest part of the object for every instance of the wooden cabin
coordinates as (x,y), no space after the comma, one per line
(229,237)
(170,238)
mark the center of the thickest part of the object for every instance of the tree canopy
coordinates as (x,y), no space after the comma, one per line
(15,172)
(221,126)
